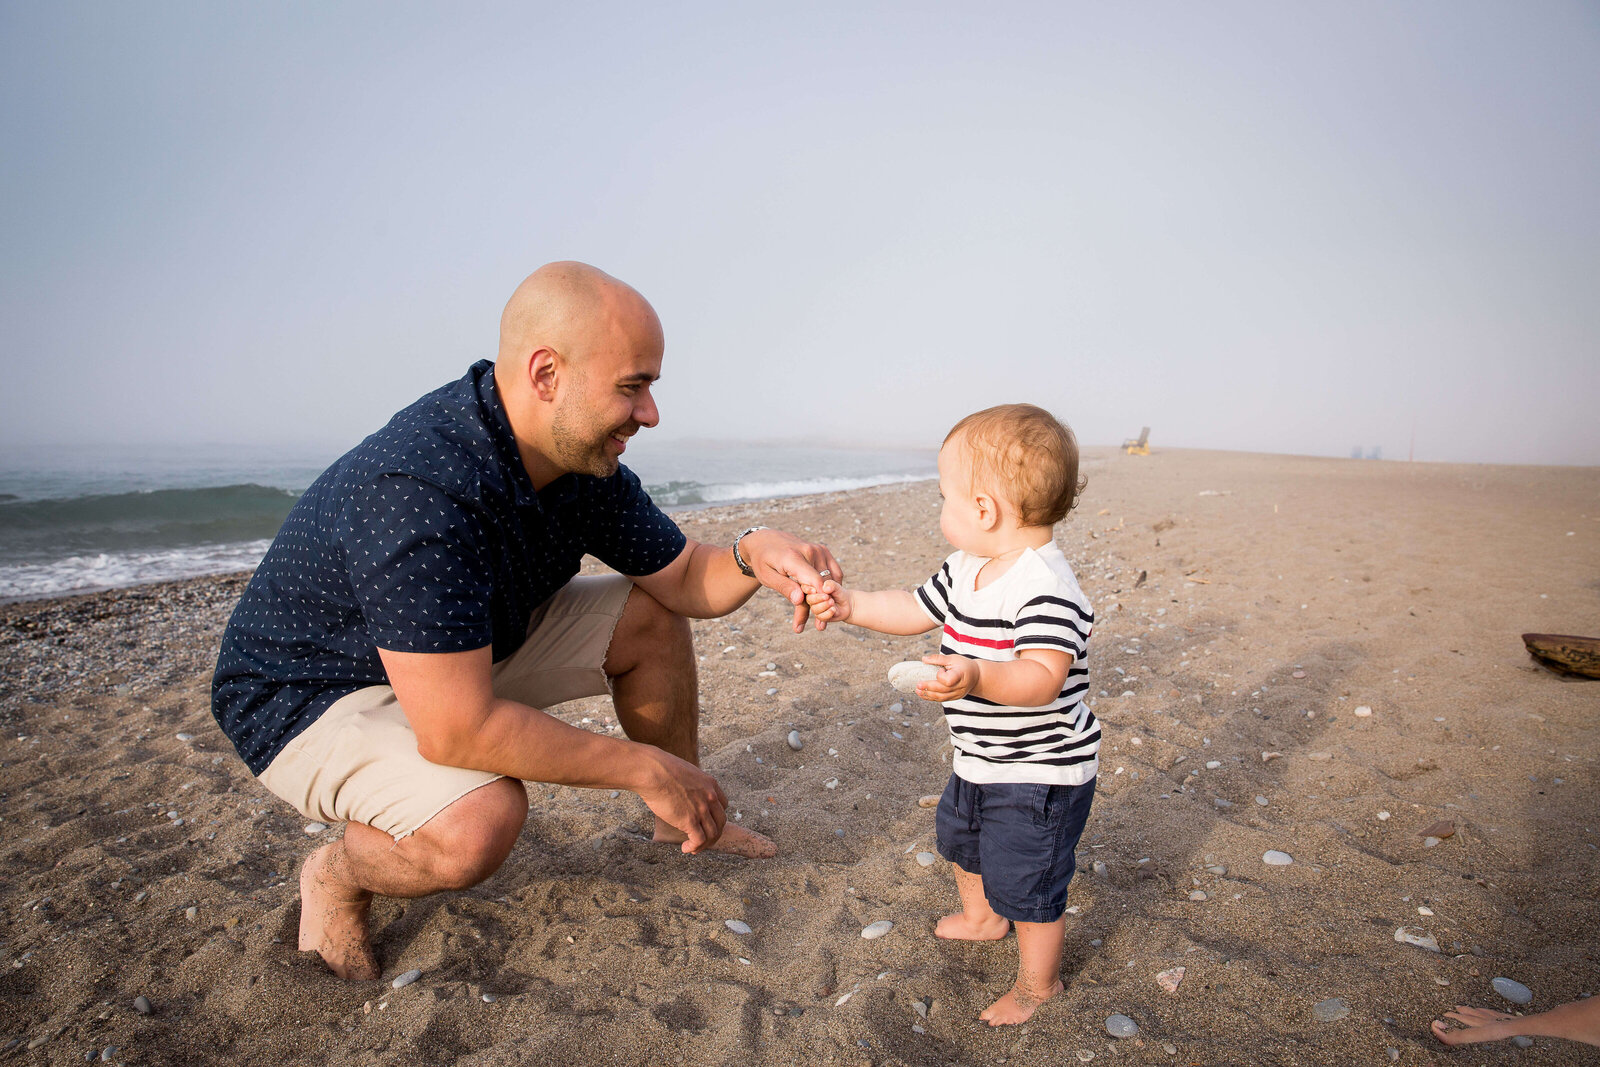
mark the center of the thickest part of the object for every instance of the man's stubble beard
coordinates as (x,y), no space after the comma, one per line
(580,447)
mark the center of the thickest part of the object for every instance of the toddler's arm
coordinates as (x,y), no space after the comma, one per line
(888,611)
(1032,680)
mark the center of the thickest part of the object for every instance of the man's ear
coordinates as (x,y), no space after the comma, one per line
(542,374)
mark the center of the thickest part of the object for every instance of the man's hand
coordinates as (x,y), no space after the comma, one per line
(958,676)
(831,603)
(686,797)
(785,564)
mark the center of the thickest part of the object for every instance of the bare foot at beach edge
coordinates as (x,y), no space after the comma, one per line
(332,923)
(1016,1006)
(735,841)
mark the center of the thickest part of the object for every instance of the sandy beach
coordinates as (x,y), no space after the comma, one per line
(1248,607)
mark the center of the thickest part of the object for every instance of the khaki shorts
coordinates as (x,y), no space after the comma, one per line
(359,761)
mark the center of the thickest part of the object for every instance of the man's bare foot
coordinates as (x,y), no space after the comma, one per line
(1016,1006)
(1578,1020)
(735,841)
(960,927)
(333,916)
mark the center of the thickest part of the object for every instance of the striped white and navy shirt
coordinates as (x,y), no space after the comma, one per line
(1035,604)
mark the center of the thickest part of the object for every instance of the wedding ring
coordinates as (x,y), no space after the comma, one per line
(824,575)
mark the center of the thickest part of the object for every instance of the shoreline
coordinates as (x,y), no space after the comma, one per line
(1244,605)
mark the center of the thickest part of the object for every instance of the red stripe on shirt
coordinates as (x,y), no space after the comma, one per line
(963,639)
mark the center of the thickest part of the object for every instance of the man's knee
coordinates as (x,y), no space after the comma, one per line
(472,837)
(647,629)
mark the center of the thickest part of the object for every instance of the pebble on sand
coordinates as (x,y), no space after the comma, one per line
(1170,978)
(406,979)
(1410,935)
(929,801)
(142,1005)
(1273,858)
(1331,1010)
(1362,712)
(184,737)
(737,926)
(926,859)
(794,740)
(1121,1026)
(315,828)
(1513,991)
(1383,816)
(1198,894)
(877,929)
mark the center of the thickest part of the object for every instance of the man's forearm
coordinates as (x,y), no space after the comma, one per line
(713,585)
(523,742)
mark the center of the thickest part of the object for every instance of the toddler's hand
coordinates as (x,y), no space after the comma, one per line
(957,677)
(830,603)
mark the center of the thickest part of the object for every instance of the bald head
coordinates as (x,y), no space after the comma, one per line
(570,307)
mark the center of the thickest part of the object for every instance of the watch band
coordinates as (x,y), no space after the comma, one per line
(744,568)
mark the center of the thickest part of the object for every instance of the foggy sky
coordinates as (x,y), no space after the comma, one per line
(1287,228)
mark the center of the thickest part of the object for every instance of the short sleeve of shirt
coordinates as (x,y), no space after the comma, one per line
(416,561)
(933,596)
(626,531)
(1054,621)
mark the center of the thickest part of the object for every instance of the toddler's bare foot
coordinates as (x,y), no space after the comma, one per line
(333,917)
(1016,1006)
(735,841)
(960,927)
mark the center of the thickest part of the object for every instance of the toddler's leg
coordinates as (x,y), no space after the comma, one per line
(976,921)
(1038,973)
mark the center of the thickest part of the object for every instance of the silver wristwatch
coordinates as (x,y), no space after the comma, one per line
(744,568)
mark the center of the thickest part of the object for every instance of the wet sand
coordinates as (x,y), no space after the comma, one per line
(1245,604)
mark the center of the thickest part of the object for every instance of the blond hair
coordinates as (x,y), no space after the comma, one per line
(1027,456)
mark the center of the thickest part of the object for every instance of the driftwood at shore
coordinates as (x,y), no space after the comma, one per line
(1576,655)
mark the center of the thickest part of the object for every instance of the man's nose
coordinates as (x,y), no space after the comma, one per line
(644,412)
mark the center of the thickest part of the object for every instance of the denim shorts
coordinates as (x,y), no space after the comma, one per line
(1020,838)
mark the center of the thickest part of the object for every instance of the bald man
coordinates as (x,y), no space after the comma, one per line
(389,661)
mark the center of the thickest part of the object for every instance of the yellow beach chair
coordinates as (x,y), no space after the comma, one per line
(1139,446)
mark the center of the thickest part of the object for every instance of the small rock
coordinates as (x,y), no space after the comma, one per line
(1268,757)
(1170,978)
(929,801)
(831,783)
(1383,816)
(1430,842)
(877,929)
(1515,992)
(794,740)
(1522,1042)
(1331,1010)
(1198,894)
(406,979)
(1410,935)
(191,913)
(1101,870)
(1424,911)
(906,676)
(141,1005)
(1085,1055)
(1441,829)
(1213,764)
(1362,712)
(489,998)
(926,859)
(772,666)
(1170,1049)
(1121,1026)
(920,1007)
(1263,801)
(108,1054)
(1319,757)
(184,737)
(315,828)
(737,926)
(1217,869)
(1273,858)
(1219,802)
(916,1029)
(1298,674)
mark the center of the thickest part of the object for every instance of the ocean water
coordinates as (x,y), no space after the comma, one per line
(80,519)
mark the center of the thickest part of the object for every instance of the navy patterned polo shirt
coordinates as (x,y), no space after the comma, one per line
(426,537)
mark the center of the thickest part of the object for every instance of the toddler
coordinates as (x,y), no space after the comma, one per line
(1012,680)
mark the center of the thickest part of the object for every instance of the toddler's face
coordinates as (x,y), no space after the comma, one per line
(958,514)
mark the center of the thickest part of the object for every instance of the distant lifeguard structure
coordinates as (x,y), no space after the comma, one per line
(1138,446)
